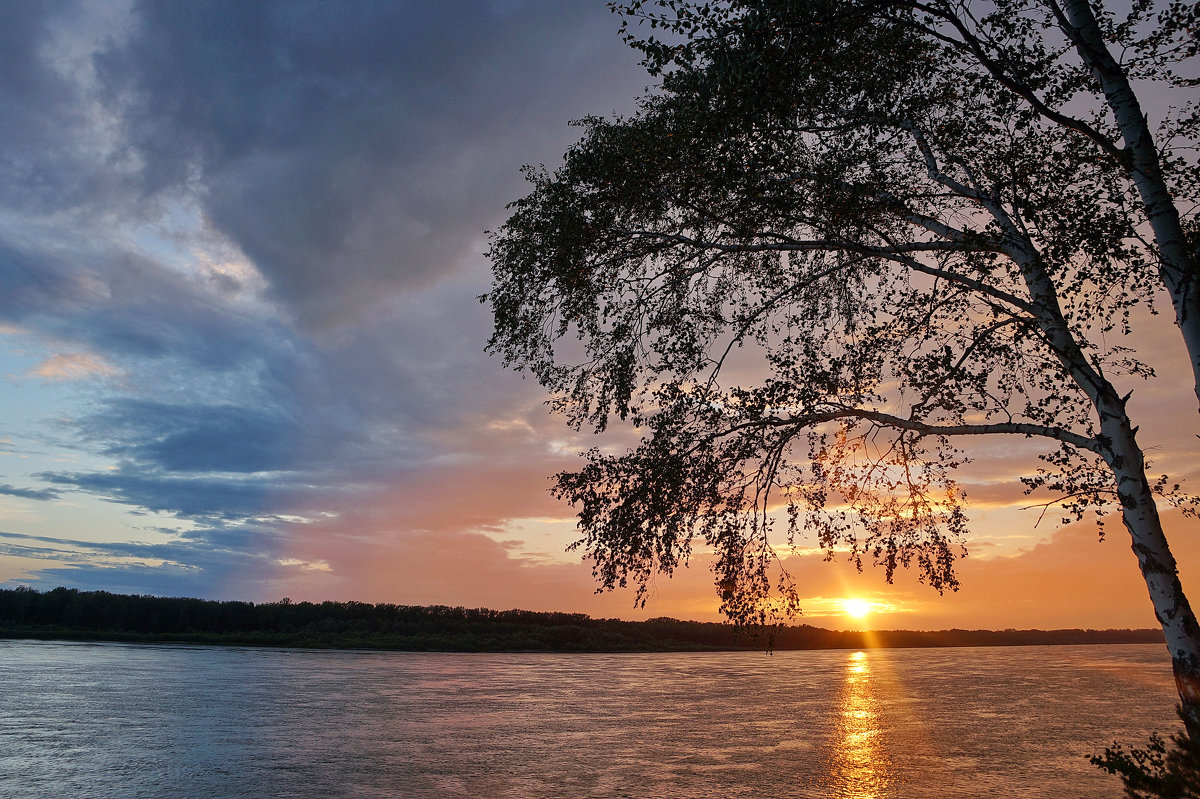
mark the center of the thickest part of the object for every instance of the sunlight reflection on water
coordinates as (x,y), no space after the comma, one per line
(861,768)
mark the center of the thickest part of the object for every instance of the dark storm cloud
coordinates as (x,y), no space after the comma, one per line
(192,497)
(47,155)
(196,437)
(288,425)
(352,149)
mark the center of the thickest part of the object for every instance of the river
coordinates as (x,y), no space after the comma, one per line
(112,720)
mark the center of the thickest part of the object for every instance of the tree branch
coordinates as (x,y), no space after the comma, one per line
(898,253)
(971,43)
(923,428)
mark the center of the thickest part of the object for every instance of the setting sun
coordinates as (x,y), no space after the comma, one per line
(857,608)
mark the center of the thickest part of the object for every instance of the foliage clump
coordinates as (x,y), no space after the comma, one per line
(1164,769)
(838,241)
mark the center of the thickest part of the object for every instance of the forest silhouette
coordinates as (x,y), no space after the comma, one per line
(70,614)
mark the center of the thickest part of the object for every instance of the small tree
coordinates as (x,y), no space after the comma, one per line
(839,241)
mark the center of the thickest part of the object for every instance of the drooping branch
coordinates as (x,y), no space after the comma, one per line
(899,253)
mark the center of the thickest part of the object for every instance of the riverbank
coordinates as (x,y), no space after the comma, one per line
(69,614)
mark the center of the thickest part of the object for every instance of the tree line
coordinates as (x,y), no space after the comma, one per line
(67,613)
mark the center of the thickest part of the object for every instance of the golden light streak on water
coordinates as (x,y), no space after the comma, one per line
(861,767)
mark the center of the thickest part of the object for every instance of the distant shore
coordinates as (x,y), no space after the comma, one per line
(70,614)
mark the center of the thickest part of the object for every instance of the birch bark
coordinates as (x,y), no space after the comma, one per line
(1158,567)
(1179,266)
(1123,455)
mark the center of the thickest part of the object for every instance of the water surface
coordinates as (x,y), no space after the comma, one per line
(112,720)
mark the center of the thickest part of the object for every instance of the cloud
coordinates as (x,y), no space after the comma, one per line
(1072,579)
(38,494)
(203,562)
(219,178)
(51,142)
(188,497)
(72,366)
(128,310)
(352,153)
(185,438)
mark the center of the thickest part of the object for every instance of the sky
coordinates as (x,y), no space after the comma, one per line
(242,351)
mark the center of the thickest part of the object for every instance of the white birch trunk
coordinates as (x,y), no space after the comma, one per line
(1157,564)
(1120,450)
(1180,264)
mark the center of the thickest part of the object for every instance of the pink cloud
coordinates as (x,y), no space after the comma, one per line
(70,366)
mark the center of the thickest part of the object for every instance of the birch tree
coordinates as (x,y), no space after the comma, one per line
(836,245)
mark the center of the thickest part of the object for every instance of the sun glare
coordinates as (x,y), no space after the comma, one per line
(856,608)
